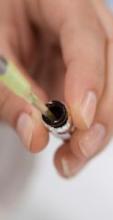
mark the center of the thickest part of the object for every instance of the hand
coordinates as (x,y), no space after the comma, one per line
(68,47)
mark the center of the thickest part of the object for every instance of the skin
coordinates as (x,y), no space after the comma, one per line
(68,47)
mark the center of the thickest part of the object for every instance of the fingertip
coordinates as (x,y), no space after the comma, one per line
(66,162)
(40,136)
(40,139)
(77,118)
(32,131)
(83,111)
(86,144)
(25,127)
(60,163)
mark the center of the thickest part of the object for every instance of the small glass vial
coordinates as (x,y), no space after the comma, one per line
(61,125)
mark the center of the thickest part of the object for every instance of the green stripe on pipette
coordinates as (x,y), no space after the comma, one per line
(16,82)
(12,78)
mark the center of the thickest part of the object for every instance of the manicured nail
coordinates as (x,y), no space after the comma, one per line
(71,166)
(91,141)
(88,108)
(25,127)
(65,167)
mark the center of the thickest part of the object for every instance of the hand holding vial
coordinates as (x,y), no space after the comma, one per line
(64,50)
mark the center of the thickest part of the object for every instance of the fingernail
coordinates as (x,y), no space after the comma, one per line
(66,169)
(25,127)
(92,140)
(88,108)
(71,166)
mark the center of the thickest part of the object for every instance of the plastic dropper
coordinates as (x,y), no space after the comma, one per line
(12,78)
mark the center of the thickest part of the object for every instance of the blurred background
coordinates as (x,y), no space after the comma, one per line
(30,187)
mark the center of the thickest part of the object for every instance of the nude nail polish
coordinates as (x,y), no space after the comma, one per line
(91,141)
(25,127)
(88,108)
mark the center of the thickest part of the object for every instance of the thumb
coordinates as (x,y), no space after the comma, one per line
(19,113)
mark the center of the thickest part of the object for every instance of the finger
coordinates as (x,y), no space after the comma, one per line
(86,144)
(21,115)
(84,56)
(83,146)
(67,163)
(94,140)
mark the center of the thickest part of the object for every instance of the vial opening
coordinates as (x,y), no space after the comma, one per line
(59,111)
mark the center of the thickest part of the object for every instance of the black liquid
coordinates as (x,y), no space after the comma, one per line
(59,111)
